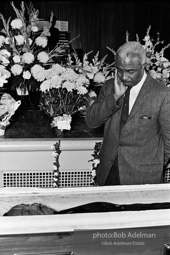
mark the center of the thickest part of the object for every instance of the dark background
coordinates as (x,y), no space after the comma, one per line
(104,23)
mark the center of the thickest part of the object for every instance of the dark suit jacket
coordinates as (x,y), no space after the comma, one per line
(143,147)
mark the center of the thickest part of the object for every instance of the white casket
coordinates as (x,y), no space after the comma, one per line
(26,174)
(86,233)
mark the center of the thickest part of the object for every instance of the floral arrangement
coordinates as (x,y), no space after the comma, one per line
(23,48)
(56,165)
(98,71)
(26,63)
(63,92)
(156,64)
(68,89)
(95,162)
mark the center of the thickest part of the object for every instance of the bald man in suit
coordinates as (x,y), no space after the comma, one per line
(137,152)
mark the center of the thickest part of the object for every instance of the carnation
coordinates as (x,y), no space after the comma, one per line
(16,59)
(55,69)
(81,79)
(28,57)
(82,90)
(41,41)
(43,57)
(16,24)
(26,75)
(34,29)
(69,75)
(38,72)
(69,86)
(45,86)
(16,69)
(56,81)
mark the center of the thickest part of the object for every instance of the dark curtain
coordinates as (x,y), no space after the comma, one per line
(104,23)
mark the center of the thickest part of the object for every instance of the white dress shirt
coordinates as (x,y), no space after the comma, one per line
(135,91)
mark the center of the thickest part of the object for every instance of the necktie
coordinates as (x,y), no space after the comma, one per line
(125,108)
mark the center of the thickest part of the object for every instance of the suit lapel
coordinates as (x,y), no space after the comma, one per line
(141,98)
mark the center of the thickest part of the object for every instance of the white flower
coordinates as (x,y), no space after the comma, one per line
(45,86)
(16,24)
(92,94)
(154,74)
(26,75)
(146,38)
(5,53)
(165,73)
(34,29)
(21,49)
(16,59)
(3,70)
(28,58)
(93,173)
(69,86)
(16,69)
(4,60)
(69,75)
(56,81)
(166,64)
(82,90)
(81,79)
(3,79)
(54,167)
(55,69)
(2,40)
(43,57)
(41,41)
(19,39)
(87,68)
(38,72)
(99,77)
